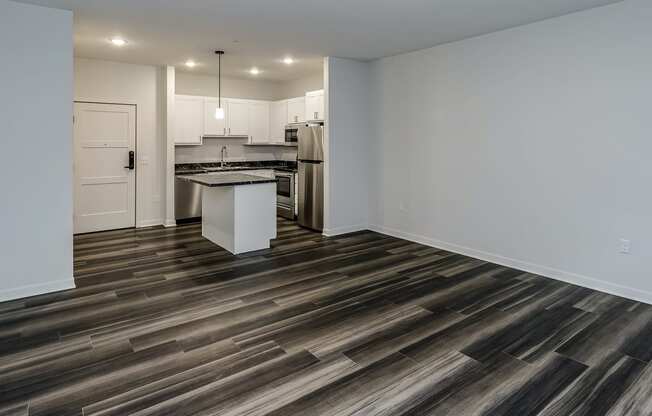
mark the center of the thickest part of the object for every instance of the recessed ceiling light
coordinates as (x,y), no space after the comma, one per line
(254,71)
(288,60)
(190,63)
(118,41)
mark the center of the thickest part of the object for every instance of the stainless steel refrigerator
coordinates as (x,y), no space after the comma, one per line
(310,157)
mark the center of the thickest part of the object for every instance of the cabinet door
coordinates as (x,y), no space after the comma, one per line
(213,126)
(188,120)
(259,122)
(238,118)
(297,110)
(278,120)
(315,105)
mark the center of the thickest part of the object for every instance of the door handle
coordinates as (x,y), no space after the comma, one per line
(132,160)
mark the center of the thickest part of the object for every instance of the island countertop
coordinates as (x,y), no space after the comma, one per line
(226,179)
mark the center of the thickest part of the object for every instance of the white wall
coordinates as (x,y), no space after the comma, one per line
(113,82)
(299,87)
(36,163)
(166,111)
(530,147)
(347,145)
(195,84)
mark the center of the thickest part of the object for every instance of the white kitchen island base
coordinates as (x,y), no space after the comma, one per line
(240,218)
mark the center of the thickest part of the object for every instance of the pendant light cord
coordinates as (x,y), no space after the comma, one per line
(219,81)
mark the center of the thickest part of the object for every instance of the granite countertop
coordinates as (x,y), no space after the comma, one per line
(281,144)
(199,168)
(226,179)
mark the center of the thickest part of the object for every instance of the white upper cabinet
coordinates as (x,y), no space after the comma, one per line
(315,105)
(278,120)
(259,122)
(238,118)
(213,126)
(297,110)
(188,120)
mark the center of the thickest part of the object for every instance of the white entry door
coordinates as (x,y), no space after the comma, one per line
(105,180)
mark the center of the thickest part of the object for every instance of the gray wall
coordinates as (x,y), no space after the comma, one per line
(36,166)
(528,147)
(348,142)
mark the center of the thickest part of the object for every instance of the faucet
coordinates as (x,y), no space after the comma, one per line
(224,153)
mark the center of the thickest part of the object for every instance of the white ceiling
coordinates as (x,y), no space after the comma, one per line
(261,32)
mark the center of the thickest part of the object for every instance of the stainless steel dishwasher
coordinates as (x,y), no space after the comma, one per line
(187,200)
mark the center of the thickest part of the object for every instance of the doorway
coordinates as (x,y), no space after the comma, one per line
(104,167)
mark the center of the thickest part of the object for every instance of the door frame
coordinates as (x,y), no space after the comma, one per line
(135,106)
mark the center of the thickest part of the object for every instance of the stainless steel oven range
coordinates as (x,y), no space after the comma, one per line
(285,194)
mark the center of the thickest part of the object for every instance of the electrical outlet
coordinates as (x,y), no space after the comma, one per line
(625,246)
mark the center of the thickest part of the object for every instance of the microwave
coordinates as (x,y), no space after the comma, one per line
(291,134)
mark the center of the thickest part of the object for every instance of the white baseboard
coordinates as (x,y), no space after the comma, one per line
(170,223)
(37,289)
(553,273)
(332,232)
(149,223)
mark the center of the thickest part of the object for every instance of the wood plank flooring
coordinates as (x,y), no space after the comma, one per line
(165,323)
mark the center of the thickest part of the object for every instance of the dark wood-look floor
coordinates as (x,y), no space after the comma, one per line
(165,323)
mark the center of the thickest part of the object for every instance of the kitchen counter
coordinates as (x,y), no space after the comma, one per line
(226,179)
(238,210)
(281,144)
(198,168)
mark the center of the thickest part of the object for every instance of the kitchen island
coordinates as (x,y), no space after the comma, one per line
(238,210)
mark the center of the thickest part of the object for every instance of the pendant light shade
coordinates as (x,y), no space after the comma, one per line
(219,111)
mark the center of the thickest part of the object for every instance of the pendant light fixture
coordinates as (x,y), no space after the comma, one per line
(219,111)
